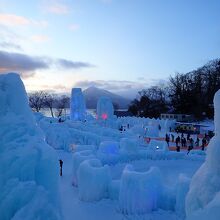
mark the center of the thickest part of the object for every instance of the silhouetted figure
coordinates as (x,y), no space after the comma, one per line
(203,143)
(184,142)
(172,136)
(197,141)
(167,139)
(159,127)
(191,143)
(61,167)
(177,144)
(188,137)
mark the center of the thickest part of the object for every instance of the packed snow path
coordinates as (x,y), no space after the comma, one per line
(73,208)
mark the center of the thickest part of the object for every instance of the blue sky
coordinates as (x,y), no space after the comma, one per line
(119,45)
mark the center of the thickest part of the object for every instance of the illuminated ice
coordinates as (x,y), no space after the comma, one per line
(139,191)
(105,109)
(77,105)
(93,180)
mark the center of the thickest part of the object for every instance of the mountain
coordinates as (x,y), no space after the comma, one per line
(92,94)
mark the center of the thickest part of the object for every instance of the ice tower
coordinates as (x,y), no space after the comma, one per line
(77,105)
(203,198)
(105,109)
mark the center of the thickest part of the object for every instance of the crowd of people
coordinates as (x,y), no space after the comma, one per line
(187,142)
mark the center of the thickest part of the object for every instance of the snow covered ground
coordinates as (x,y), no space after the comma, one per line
(73,208)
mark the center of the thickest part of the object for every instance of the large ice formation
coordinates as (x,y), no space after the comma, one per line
(78,158)
(157,145)
(93,180)
(77,105)
(181,191)
(139,191)
(105,109)
(128,146)
(203,200)
(28,166)
(108,152)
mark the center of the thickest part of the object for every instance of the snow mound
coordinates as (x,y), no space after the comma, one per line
(139,191)
(28,166)
(93,180)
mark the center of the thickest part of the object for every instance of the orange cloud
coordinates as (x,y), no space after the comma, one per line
(57,8)
(15,20)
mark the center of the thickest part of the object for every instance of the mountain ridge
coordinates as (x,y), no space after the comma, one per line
(92,94)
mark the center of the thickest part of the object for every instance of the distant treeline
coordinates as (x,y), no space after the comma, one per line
(188,93)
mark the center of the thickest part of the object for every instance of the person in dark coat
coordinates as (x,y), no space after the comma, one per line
(172,136)
(167,139)
(204,143)
(177,144)
(61,167)
(197,141)
(191,144)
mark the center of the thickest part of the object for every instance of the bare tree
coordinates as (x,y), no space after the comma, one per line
(36,100)
(61,105)
(49,102)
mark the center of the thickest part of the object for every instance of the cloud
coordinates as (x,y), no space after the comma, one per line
(58,9)
(28,65)
(68,64)
(15,20)
(10,45)
(55,7)
(17,62)
(40,38)
(74,27)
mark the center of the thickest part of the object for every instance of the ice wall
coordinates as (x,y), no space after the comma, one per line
(28,166)
(139,191)
(77,105)
(205,185)
(105,109)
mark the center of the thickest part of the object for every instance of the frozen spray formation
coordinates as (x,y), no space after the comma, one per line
(28,166)
(203,198)
(105,109)
(77,105)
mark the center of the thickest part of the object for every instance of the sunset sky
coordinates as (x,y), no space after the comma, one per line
(119,45)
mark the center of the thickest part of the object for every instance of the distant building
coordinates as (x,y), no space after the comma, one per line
(178,117)
(122,113)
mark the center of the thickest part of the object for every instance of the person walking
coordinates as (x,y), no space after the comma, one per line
(191,144)
(197,141)
(204,143)
(177,144)
(167,139)
(172,136)
(61,167)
